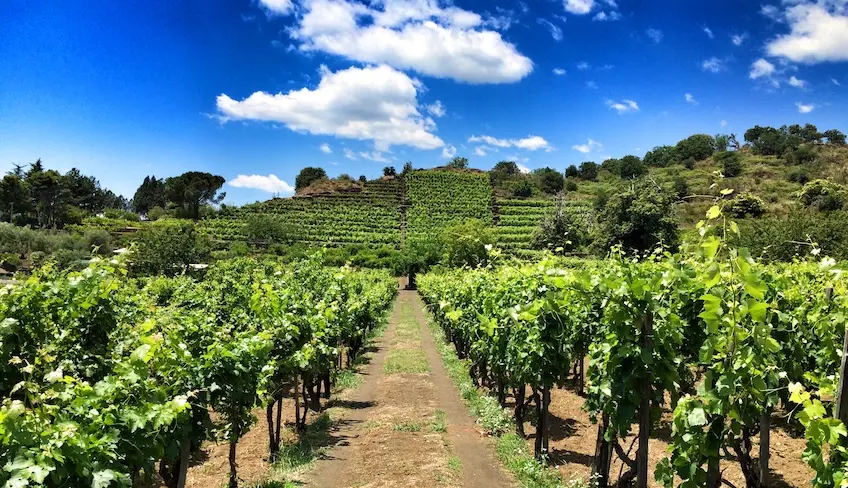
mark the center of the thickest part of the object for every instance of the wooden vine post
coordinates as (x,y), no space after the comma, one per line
(645,404)
(841,409)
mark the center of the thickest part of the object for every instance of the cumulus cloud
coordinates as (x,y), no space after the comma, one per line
(709,32)
(375,103)
(348,153)
(522,168)
(690,99)
(602,16)
(592,85)
(436,109)
(554,29)
(449,151)
(269,184)
(818,32)
(325,148)
(656,35)
(582,65)
(480,150)
(559,71)
(738,39)
(578,7)
(761,68)
(418,35)
(277,7)
(374,156)
(793,81)
(713,65)
(805,108)
(771,12)
(623,106)
(530,143)
(590,146)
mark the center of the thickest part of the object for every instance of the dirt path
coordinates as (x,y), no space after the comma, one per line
(406,425)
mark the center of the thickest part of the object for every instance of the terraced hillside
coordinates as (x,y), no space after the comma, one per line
(518,219)
(371,216)
(438,199)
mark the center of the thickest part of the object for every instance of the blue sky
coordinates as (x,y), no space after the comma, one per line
(253,88)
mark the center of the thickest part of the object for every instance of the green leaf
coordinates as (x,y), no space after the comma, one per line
(697,417)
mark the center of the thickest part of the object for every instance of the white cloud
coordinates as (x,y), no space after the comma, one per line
(578,7)
(835,82)
(559,71)
(761,68)
(350,154)
(325,148)
(521,167)
(481,150)
(554,29)
(690,99)
(582,65)
(269,184)
(602,16)
(279,7)
(374,103)
(724,123)
(709,32)
(793,81)
(530,143)
(818,32)
(656,35)
(592,85)
(449,151)
(436,109)
(623,106)
(805,108)
(738,39)
(771,12)
(590,146)
(375,156)
(418,35)
(713,65)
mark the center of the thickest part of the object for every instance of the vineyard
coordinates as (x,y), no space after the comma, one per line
(438,199)
(707,346)
(107,380)
(518,219)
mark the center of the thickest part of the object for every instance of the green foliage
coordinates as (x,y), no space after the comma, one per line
(267,229)
(169,250)
(458,163)
(150,194)
(745,205)
(823,195)
(731,163)
(631,167)
(572,172)
(468,243)
(389,171)
(588,170)
(697,147)
(307,176)
(549,180)
(834,136)
(563,230)
(639,218)
(570,185)
(789,237)
(523,188)
(192,190)
(798,175)
(661,156)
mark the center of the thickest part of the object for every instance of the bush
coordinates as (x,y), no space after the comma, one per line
(783,238)
(632,167)
(798,175)
(561,231)
(588,170)
(661,156)
(689,163)
(639,218)
(746,205)
(309,175)
(156,213)
(120,214)
(468,243)
(100,239)
(549,180)
(522,188)
(697,147)
(731,163)
(823,195)
(169,251)
(680,187)
(572,172)
(570,185)
(267,229)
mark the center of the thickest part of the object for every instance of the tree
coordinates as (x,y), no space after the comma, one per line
(505,168)
(722,141)
(698,147)
(612,165)
(389,171)
(13,197)
(638,218)
(572,172)
(661,156)
(468,243)
(834,136)
(407,168)
(523,188)
(194,189)
(151,193)
(588,170)
(731,164)
(745,205)
(632,167)
(824,195)
(363,179)
(766,141)
(549,180)
(169,250)
(307,176)
(458,163)
(47,194)
(562,231)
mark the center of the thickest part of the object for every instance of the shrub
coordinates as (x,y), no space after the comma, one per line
(588,170)
(731,163)
(309,175)
(680,186)
(823,195)
(100,239)
(169,250)
(689,163)
(746,205)
(121,214)
(156,213)
(572,172)
(549,180)
(632,167)
(523,188)
(697,147)
(782,238)
(798,175)
(562,231)
(638,218)
(468,243)
(267,229)
(570,185)
(661,156)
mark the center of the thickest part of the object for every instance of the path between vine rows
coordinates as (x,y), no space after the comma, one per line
(404,428)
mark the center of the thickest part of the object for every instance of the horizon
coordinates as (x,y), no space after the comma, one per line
(263,88)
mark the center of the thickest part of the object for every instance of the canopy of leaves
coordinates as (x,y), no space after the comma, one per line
(697,147)
(193,189)
(661,156)
(549,180)
(639,218)
(823,195)
(307,176)
(588,170)
(632,167)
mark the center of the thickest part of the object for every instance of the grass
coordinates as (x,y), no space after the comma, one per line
(455,464)
(307,449)
(348,379)
(439,422)
(512,450)
(408,427)
(406,360)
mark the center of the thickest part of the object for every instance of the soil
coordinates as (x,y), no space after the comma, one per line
(573,437)
(376,448)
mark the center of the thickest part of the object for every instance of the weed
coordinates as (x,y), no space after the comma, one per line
(408,427)
(439,422)
(455,464)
